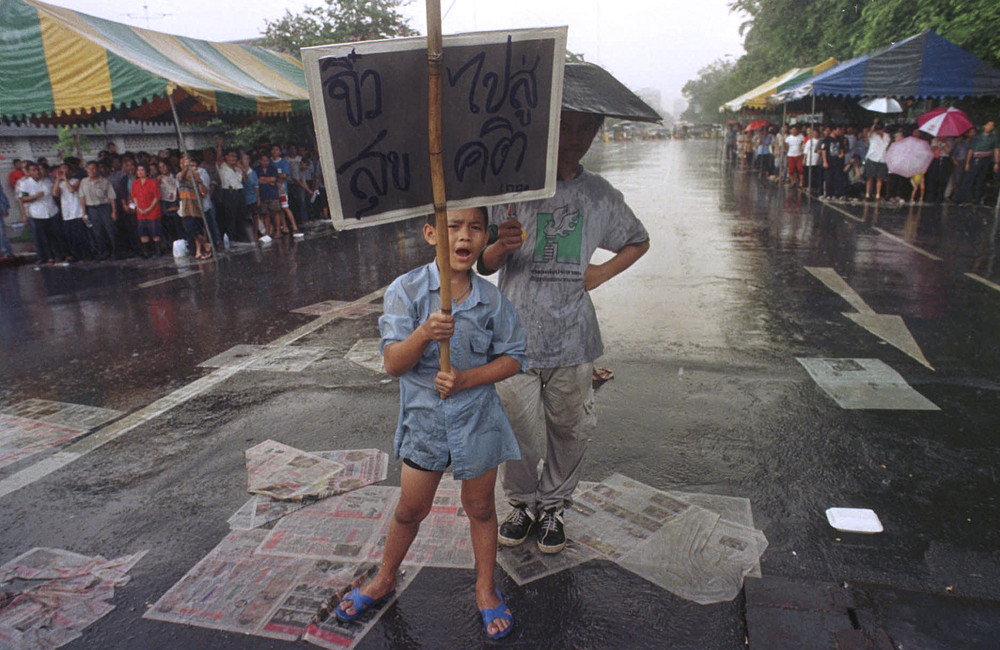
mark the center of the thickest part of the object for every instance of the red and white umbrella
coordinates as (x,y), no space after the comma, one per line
(909,157)
(756,124)
(944,121)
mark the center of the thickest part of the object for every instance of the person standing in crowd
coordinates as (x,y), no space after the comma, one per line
(169,203)
(39,208)
(547,274)
(192,190)
(794,142)
(833,148)
(306,181)
(128,226)
(251,197)
(5,250)
(231,179)
(284,171)
(98,198)
(146,197)
(765,158)
(66,189)
(812,167)
(267,177)
(778,150)
(875,167)
(984,154)
(296,196)
(730,152)
(856,159)
(959,153)
(940,170)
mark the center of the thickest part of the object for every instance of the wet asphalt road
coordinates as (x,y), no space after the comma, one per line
(702,333)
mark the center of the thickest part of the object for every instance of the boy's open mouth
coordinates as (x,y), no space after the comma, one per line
(463,253)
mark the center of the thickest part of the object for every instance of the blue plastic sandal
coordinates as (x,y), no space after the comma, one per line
(490,615)
(361,603)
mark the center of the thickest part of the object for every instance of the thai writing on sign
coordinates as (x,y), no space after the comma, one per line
(499,121)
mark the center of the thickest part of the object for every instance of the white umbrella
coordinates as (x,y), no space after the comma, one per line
(881,105)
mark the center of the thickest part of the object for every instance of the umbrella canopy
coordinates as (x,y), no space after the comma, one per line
(757,97)
(945,121)
(588,88)
(909,157)
(756,124)
(925,65)
(881,105)
(63,65)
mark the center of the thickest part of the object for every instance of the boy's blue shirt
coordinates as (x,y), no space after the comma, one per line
(470,426)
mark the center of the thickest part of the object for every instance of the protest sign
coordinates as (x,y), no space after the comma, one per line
(501,101)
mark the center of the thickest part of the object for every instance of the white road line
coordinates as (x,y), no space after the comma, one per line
(169,278)
(841,211)
(902,241)
(982,280)
(880,231)
(116,429)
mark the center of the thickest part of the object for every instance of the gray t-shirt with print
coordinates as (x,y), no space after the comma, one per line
(544,278)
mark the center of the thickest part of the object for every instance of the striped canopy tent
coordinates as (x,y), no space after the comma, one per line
(757,97)
(804,74)
(63,66)
(924,66)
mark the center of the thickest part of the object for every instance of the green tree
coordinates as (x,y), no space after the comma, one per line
(971,24)
(716,84)
(337,21)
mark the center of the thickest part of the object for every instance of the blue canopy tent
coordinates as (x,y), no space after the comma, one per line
(924,66)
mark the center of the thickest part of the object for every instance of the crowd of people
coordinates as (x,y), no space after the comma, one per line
(849,162)
(138,204)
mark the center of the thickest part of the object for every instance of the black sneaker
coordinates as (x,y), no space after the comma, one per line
(551,537)
(516,527)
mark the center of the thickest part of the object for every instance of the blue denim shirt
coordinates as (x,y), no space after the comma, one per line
(470,426)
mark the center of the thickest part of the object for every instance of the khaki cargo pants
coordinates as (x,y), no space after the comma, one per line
(552,413)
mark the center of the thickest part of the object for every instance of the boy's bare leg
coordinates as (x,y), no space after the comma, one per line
(480,506)
(279,222)
(416,497)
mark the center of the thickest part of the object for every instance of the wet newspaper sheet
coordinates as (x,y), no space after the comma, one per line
(687,549)
(49,596)
(361,467)
(288,474)
(331,633)
(234,588)
(354,527)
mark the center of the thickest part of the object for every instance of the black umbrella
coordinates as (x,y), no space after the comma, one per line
(588,88)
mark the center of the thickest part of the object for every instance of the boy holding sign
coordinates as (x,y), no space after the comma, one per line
(448,418)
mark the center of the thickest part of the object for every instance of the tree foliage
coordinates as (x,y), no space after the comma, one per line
(337,21)
(715,85)
(782,34)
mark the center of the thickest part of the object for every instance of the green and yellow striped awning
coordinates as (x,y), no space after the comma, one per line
(57,64)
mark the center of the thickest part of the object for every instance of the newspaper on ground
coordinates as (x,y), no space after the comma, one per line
(354,527)
(361,467)
(685,548)
(21,437)
(63,414)
(51,595)
(288,474)
(367,353)
(237,590)
(335,635)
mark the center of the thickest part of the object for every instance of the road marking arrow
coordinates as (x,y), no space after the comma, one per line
(889,327)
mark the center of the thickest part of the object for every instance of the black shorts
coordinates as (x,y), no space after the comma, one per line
(410,463)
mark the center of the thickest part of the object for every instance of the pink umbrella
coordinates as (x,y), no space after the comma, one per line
(909,157)
(944,121)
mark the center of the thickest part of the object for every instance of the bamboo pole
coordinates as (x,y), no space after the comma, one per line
(435,55)
(191,173)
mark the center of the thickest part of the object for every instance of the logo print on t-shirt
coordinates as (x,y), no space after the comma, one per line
(559,236)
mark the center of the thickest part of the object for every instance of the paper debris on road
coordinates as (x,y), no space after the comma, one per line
(52,595)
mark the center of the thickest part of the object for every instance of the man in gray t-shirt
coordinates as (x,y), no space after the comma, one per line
(543,251)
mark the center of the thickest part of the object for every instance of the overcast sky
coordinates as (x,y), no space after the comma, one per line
(645,43)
